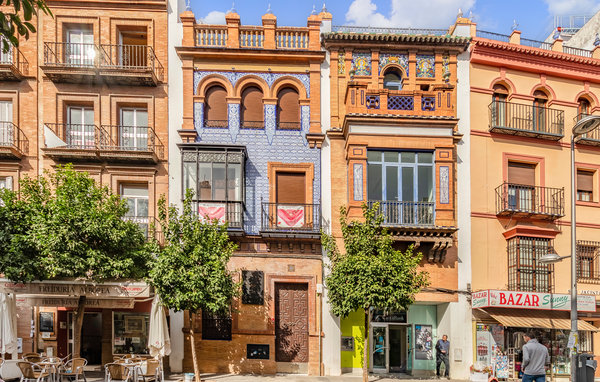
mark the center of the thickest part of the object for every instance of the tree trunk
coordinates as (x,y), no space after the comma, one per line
(366,349)
(77,326)
(193,346)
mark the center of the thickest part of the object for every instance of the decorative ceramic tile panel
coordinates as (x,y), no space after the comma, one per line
(401,103)
(372,101)
(425,66)
(428,103)
(234,120)
(444,185)
(270,122)
(234,77)
(199,117)
(358,181)
(361,64)
(446,66)
(398,59)
(305,121)
(341,62)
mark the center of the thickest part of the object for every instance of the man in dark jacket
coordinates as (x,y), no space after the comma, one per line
(441,355)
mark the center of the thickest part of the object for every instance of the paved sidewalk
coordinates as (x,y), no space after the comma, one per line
(298,378)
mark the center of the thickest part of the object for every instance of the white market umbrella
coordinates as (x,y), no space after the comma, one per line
(159,343)
(8,324)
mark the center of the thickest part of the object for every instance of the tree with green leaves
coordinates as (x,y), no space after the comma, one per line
(18,21)
(190,272)
(63,225)
(370,273)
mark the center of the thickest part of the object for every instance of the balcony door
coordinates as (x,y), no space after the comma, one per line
(137,201)
(133,134)
(521,186)
(403,183)
(290,204)
(133,49)
(80,129)
(6,125)
(6,57)
(80,49)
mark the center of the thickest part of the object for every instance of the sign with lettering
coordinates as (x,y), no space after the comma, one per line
(43,288)
(70,302)
(531,300)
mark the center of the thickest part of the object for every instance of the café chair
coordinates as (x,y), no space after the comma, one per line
(152,371)
(33,358)
(116,372)
(32,372)
(73,369)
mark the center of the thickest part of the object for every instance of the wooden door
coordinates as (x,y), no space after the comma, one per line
(291,322)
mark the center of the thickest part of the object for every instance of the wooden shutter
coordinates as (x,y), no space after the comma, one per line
(216,104)
(288,108)
(585,181)
(252,108)
(521,173)
(291,187)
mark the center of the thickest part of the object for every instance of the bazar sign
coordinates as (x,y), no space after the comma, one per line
(67,302)
(530,300)
(76,289)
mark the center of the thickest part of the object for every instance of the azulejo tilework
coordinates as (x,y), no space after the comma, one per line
(446,66)
(270,122)
(233,115)
(199,117)
(305,122)
(425,66)
(361,63)
(392,58)
(341,62)
(234,77)
(444,185)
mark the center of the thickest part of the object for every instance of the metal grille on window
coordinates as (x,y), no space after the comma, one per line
(525,272)
(216,326)
(588,268)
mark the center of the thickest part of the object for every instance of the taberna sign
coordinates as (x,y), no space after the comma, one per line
(531,300)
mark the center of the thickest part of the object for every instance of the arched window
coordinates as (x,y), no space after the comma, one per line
(288,109)
(583,108)
(215,107)
(252,113)
(392,79)
(499,106)
(539,110)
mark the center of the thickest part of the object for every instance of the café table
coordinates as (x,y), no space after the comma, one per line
(52,368)
(131,366)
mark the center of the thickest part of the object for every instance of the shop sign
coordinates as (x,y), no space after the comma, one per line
(69,302)
(76,289)
(531,300)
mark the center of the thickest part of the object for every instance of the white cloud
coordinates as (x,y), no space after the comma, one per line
(214,17)
(572,7)
(408,13)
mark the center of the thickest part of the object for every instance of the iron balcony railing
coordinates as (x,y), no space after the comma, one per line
(526,120)
(222,211)
(397,213)
(13,137)
(530,200)
(291,217)
(588,264)
(14,58)
(536,44)
(577,51)
(131,138)
(492,36)
(78,136)
(105,56)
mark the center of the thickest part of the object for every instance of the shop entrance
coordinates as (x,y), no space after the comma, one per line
(91,337)
(389,348)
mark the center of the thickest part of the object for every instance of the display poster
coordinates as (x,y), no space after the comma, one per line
(483,337)
(424,342)
(501,366)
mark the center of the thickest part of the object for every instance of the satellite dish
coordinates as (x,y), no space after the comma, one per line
(586,124)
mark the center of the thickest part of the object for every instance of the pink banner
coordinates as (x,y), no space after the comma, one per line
(209,212)
(290,216)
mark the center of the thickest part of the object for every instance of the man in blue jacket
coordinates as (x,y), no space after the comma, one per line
(442,349)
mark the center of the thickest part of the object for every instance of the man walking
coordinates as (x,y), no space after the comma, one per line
(441,355)
(535,359)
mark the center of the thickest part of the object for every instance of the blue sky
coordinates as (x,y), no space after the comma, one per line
(535,17)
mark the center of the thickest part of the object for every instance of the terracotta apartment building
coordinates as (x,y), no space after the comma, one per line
(89,88)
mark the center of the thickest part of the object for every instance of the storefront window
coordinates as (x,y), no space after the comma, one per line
(130,333)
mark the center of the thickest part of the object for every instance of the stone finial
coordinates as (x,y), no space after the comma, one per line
(232,10)
(460,13)
(269,11)
(314,11)
(324,9)
(597,40)
(515,25)
(187,6)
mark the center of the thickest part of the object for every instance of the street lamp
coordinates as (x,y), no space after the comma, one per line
(583,126)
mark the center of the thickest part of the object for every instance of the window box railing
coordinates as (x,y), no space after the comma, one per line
(518,199)
(131,57)
(131,138)
(13,138)
(525,272)
(78,136)
(222,211)
(588,264)
(15,61)
(291,217)
(397,213)
(526,120)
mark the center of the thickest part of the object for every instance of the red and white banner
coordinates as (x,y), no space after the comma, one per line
(290,216)
(530,300)
(210,212)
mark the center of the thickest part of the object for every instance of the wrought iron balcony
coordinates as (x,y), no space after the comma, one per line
(222,211)
(283,217)
(406,214)
(124,64)
(592,138)
(131,143)
(13,143)
(73,141)
(526,120)
(13,65)
(530,201)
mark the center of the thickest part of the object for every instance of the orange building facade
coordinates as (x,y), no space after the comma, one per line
(525,97)
(89,88)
